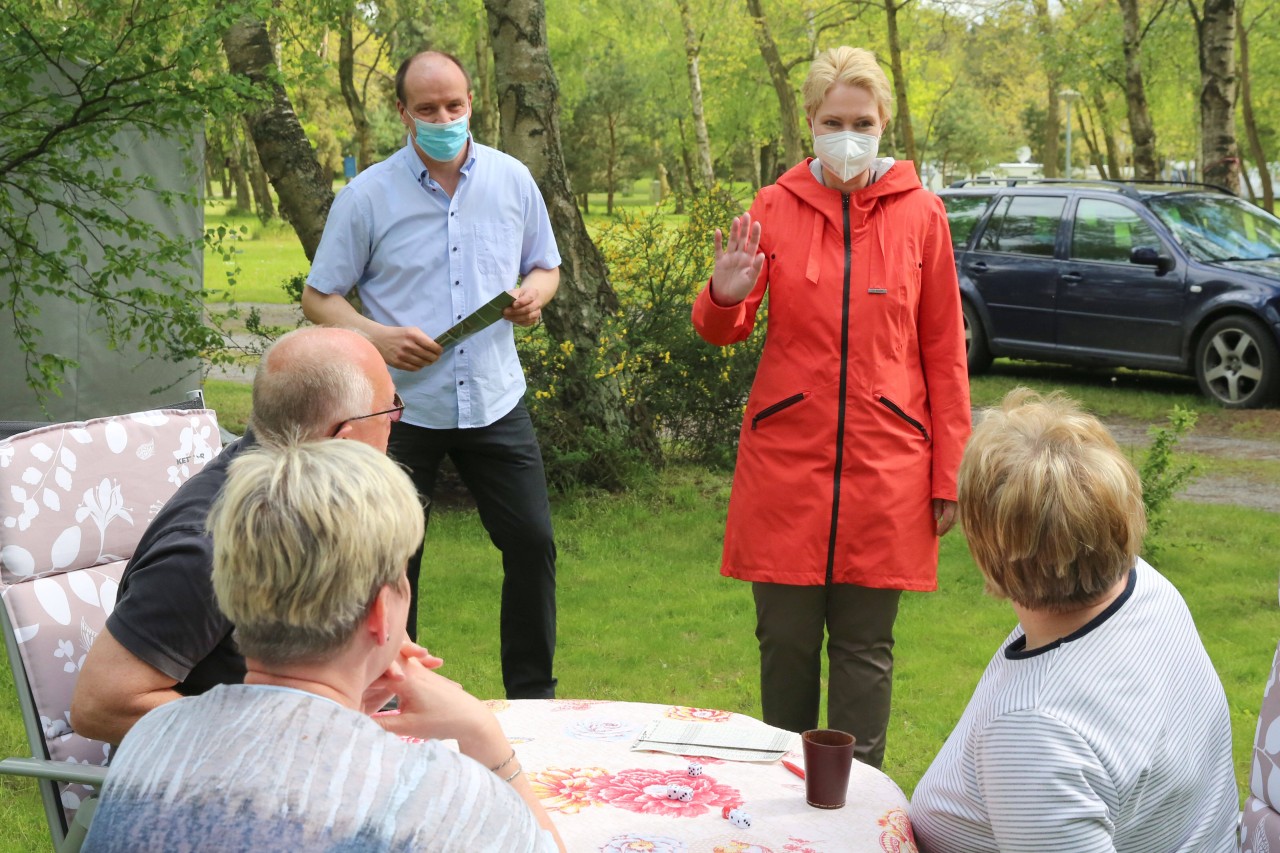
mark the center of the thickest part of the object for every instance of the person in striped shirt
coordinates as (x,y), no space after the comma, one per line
(1100,724)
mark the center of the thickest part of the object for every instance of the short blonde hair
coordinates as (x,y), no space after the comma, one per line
(1051,507)
(854,66)
(304,537)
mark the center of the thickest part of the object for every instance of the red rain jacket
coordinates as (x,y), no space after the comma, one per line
(860,407)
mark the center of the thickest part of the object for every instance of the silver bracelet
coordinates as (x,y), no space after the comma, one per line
(505,763)
(518,771)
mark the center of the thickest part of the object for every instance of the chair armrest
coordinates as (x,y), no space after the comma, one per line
(56,771)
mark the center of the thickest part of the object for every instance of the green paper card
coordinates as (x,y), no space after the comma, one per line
(483,317)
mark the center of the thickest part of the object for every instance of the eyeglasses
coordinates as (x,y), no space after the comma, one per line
(396,410)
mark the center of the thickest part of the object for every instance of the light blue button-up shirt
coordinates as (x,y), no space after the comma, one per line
(421,258)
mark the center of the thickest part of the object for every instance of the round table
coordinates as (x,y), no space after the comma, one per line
(604,797)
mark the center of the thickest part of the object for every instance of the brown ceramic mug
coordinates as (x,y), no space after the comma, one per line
(828,757)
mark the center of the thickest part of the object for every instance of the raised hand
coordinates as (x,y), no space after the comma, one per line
(738,262)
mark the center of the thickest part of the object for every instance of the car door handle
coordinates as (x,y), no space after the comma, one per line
(978,266)
(1072,277)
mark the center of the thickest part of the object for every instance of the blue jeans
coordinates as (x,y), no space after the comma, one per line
(501,465)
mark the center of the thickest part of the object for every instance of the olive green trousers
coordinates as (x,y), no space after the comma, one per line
(858,623)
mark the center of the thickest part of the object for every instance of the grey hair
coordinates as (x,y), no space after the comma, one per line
(304,537)
(306,398)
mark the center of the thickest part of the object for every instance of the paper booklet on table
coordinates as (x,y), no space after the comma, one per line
(717,740)
(483,317)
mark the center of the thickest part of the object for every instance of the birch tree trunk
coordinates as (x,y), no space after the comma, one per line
(903,116)
(238,164)
(1052,118)
(1250,121)
(347,82)
(706,175)
(484,107)
(1216,28)
(1108,137)
(258,178)
(304,190)
(1141,130)
(789,117)
(529,100)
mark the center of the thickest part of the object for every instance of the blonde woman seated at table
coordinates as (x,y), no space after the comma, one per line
(310,543)
(1100,724)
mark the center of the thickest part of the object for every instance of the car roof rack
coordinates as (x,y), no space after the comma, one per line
(1124,185)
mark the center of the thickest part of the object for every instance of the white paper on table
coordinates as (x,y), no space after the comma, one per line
(729,742)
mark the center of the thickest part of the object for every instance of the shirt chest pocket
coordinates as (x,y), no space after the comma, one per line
(497,252)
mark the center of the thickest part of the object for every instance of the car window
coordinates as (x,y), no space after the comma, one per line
(963,213)
(1025,225)
(1219,227)
(1107,231)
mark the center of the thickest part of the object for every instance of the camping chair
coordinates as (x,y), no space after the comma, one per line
(1260,821)
(74,501)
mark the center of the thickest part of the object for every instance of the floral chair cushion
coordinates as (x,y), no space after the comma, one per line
(74,501)
(1260,827)
(56,620)
(80,494)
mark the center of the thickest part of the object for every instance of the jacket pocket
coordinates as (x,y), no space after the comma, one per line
(770,411)
(893,407)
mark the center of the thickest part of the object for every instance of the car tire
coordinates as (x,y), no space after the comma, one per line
(1238,363)
(975,340)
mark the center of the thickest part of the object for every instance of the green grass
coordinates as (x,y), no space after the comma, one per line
(1107,392)
(233,401)
(264,256)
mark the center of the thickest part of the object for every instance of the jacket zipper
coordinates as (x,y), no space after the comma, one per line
(893,407)
(844,385)
(775,408)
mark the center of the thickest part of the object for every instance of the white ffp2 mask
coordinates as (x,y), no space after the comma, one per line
(846,154)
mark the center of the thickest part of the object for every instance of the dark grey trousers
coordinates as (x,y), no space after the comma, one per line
(501,466)
(790,622)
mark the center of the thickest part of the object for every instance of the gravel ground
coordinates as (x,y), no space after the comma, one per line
(1212,488)
(1205,488)
(284,316)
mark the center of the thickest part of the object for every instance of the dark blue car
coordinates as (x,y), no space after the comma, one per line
(1183,278)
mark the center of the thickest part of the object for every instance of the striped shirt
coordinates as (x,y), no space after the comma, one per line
(250,767)
(1115,738)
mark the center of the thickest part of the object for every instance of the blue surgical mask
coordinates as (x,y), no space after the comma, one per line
(441,142)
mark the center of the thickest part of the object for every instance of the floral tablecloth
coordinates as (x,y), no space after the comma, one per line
(604,797)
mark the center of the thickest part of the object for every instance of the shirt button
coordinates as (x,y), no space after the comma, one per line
(456,283)
(455,248)
(459,316)
(462,382)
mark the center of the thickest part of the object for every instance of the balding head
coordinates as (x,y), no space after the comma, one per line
(427,59)
(312,379)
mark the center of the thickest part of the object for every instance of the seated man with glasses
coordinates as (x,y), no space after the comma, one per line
(166,638)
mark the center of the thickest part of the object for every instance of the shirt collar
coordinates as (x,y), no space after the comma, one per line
(421,172)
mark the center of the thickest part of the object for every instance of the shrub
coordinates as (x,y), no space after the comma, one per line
(1162,476)
(692,392)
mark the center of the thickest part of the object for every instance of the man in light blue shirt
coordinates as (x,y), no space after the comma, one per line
(428,236)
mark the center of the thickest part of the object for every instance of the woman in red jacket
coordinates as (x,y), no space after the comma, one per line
(847,460)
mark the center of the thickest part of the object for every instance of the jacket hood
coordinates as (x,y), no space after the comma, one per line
(799,181)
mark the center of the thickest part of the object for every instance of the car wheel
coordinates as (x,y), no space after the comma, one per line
(975,340)
(1237,363)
